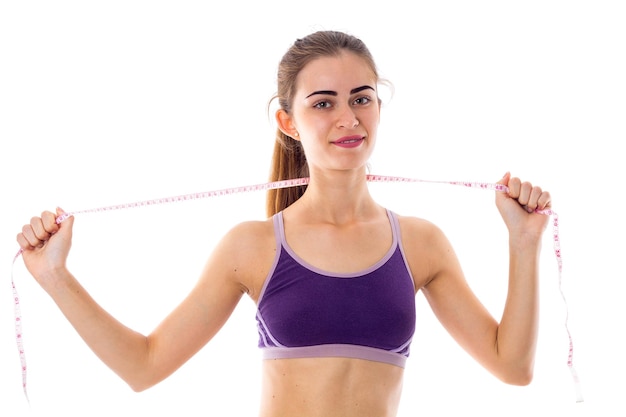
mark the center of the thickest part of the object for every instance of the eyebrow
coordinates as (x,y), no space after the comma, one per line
(334,93)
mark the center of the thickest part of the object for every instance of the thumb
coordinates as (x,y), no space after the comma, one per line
(505,179)
(503,195)
(65,221)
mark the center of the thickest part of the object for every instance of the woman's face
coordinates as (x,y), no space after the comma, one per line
(335,112)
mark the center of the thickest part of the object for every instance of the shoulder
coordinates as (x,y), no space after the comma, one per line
(246,252)
(426,248)
(251,231)
(417,230)
(248,240)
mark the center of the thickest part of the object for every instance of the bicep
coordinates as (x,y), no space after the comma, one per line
(202,313)
(454,303)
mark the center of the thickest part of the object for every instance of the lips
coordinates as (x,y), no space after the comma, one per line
(349,141)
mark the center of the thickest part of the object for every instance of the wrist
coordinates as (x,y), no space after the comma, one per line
(56,280)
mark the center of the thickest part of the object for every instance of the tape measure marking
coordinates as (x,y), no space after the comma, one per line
(294,183)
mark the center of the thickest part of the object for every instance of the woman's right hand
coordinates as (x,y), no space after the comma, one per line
(45,245)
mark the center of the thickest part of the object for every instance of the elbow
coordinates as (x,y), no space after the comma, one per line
(143,374)
(139,386)
(140,381)
(520,376)
(521,380)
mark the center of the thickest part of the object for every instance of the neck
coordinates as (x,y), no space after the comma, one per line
(337,197)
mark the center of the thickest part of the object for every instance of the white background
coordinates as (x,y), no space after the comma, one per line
(121,101)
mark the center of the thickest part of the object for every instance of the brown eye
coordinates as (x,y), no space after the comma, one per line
(362,100)
(322,105)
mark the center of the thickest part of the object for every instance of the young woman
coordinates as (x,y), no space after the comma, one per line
(334,274)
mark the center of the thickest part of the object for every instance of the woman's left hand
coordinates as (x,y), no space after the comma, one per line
(517,207)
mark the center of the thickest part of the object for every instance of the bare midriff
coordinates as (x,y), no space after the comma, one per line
(328,387)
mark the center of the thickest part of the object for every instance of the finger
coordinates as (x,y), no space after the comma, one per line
(515,186)
(524,193)
(544,201)
(39,229)
(49,222)
(505,178)
(67,219)
(533,200)
(23,242)
(29,235)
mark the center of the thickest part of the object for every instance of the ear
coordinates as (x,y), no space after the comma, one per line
(285,123)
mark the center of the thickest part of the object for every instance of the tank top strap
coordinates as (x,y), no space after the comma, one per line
(279,228)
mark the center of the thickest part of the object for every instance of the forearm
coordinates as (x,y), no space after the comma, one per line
(517,333)
(120,348)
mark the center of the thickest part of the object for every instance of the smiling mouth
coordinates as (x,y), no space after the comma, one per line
(349,142)
(349,139)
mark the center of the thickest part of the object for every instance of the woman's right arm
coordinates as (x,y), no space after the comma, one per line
(141,361)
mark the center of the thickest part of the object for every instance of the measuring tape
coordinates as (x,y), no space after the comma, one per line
(294,183)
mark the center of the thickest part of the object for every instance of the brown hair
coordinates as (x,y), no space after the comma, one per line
(289,161)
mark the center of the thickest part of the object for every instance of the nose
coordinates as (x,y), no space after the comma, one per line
(347,119)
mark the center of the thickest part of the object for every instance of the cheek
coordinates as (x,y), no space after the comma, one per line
(370,115)
(315,127)
(372,124)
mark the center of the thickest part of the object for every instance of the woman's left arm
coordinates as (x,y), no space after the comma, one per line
(506,349)
(517,332)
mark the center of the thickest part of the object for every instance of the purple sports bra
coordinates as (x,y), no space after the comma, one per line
(304,311)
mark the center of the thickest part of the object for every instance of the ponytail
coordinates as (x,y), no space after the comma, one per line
(288,162)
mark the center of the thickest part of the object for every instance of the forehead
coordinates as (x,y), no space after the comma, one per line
(337,72)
